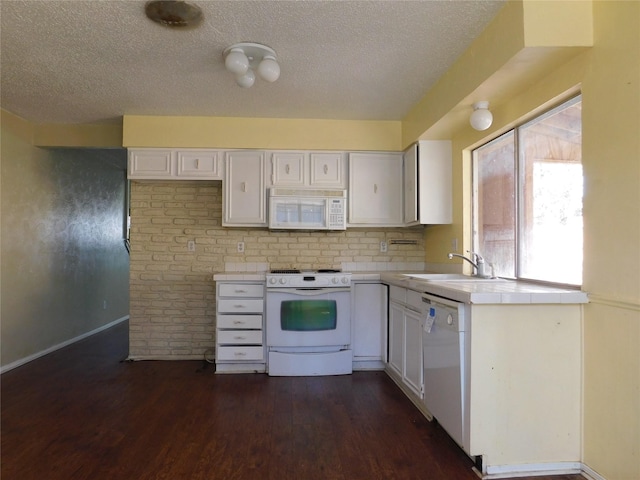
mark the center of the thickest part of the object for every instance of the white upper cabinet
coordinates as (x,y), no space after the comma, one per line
(199,164)
(327,169)
(307,169)
(375,189)
(171,164)
(427,183)
(151,163)
(288,168)
(244,190)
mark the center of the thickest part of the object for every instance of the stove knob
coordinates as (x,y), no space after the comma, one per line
(334,280)
(283,280)
(272,281)
(345,280)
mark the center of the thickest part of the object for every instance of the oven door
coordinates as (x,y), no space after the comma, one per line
(308,317)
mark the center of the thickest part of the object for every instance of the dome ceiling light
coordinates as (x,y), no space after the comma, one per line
(481,118)
(173,13)
(244,60)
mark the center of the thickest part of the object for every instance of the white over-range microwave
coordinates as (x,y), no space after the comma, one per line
(307,209)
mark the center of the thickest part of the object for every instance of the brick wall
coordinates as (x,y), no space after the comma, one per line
(172,312)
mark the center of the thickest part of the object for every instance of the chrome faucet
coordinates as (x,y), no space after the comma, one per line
(476,260)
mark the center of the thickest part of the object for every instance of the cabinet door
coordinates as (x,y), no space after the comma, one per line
(396,337)
(375,189)
(288,168)
(199,165)
(244,190)
(369,321)
(327,169)
(413,352)
(434,182)
(410,170)
(150,164)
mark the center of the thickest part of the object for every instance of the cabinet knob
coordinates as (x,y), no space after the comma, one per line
(326,168)
(239,337)
(244,186)
(197,163)
(240,354)
(375,188)
(287,169)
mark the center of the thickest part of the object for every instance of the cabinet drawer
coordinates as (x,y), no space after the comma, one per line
(397,294)
(240,321)
(240,337)
(240,305)
(240,290)
(414,300)
(240,353)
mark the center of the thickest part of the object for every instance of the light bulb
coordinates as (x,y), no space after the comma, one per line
(246,80)
(481,118)
(269,69)
(236,61)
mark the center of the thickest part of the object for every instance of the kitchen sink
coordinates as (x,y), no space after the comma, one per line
(438,276)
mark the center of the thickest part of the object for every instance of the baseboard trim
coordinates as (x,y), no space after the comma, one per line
(532,470)
(30,358)
(591,474)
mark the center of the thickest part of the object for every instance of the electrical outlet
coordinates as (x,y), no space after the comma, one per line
(240,247)
(191,245)
(383,247)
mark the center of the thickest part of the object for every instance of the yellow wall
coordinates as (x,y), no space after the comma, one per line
(264,133)
(608,75)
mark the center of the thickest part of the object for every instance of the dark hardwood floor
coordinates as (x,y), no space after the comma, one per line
(83,413)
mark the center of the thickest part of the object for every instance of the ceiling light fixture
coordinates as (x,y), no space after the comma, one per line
(173,13)
(481,118)
(244,59)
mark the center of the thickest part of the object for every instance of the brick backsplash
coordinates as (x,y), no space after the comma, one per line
(172,311)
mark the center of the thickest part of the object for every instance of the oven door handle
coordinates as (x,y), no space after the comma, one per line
(308,291)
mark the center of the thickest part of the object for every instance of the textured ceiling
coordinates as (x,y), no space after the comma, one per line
(92,61)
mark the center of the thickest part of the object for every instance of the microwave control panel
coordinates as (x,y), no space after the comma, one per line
(336,212)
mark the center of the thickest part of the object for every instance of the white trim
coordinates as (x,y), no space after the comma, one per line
(591,474)
(532,469)
(66,343)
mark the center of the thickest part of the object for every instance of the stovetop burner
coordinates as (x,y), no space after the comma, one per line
(285,271)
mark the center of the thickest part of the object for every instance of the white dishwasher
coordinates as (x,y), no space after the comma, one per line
(445,358)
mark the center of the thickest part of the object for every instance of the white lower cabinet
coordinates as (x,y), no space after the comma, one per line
(405,341)
(369,320)
(240,327)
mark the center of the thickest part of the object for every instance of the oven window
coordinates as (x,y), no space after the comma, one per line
(308,315)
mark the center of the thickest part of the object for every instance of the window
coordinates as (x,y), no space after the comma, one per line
(527,198)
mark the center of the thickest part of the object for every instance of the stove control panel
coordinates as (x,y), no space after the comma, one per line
(311,280)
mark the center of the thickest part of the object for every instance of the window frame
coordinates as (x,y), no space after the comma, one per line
(518,193)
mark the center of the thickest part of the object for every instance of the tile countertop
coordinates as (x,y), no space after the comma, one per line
(496,291)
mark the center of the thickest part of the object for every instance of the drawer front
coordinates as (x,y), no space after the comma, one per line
(398,294)
(240,290)
(239,321)
(240,305)
(414,300)
(240,337)
(240,353)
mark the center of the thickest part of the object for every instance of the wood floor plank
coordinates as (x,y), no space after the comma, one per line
(83,413)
